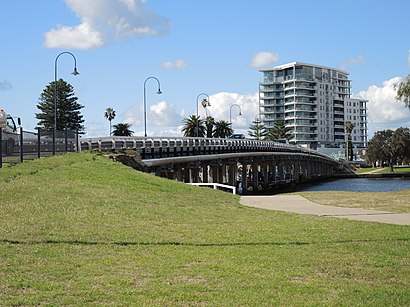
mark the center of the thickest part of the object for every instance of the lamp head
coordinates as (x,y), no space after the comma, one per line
(240,113)
(159,91)
(75,72)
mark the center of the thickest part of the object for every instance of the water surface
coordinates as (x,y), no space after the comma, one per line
(361,185)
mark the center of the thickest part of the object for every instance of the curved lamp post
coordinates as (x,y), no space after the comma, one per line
(145,102)
(205,103)
(75,73)
(230,111)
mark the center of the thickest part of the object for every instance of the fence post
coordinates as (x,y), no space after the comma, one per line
(21,144)
(77,141)
(38,142)
(66,139)
(54,141)
(1,148)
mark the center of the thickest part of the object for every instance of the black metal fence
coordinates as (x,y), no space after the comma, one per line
(26,145)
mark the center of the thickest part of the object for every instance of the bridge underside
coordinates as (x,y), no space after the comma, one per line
(249,172)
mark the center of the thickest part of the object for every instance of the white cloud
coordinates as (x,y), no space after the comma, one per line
(264,58)
(78,37)
(384,111)
(179,64)
(352,61)
(102,21)
(160,115)
(164,114)
(222,107)
(5,85)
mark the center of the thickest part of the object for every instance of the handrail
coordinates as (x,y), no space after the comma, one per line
(191,145)
(215,185)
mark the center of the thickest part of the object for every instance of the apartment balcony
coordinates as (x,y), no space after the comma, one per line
(305,131)
(301,139)
(299,123)
(299,109)
(270,90)
(272,96)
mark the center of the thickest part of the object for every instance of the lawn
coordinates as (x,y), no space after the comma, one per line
(383,170)
(78,229)
(398,201)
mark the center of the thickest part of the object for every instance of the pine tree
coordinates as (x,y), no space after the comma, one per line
(68,109)
(257,130)
(279,132)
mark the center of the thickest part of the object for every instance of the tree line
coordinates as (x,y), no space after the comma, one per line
(389,147)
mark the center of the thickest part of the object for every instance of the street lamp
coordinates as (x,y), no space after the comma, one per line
(145,102)
(230,111)
(75,73)
(205,103)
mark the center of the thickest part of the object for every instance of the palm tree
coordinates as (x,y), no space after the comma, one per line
(193,126)
(257,130)
(122,129)
(279,132)
(110,115)
(349,126)
(223,129)
(210,122)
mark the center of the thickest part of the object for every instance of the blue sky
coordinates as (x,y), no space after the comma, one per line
(215,47)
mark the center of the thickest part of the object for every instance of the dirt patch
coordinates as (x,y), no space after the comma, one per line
(131,159)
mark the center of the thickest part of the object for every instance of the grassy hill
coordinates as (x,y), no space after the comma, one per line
(79,229)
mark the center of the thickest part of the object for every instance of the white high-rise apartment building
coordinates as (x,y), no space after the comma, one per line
(314,101)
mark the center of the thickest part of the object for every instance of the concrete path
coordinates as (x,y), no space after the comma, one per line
(299,204)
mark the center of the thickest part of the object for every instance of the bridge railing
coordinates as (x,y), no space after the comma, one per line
(161,147)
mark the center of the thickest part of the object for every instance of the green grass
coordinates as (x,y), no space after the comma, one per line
(398,201)
(367,169)
(383,170)
(79,229)
(396,170)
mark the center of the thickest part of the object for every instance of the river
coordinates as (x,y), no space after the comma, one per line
(361,185)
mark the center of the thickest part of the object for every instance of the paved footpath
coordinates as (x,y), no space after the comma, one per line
(298,204)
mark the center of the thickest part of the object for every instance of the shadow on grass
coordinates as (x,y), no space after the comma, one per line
(297,243)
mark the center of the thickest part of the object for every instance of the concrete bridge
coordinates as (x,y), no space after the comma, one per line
(250,165)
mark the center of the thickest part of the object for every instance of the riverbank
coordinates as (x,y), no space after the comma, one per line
(372,175)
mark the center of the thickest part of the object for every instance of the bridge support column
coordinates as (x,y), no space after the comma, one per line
(265,175)
(245,177)
(232,173)
(194,174)
(273,172)
(216,170)
(281,167)
(205,174)
(255,175)
(178,173)
(296,171)
(187,174)
(224,173)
